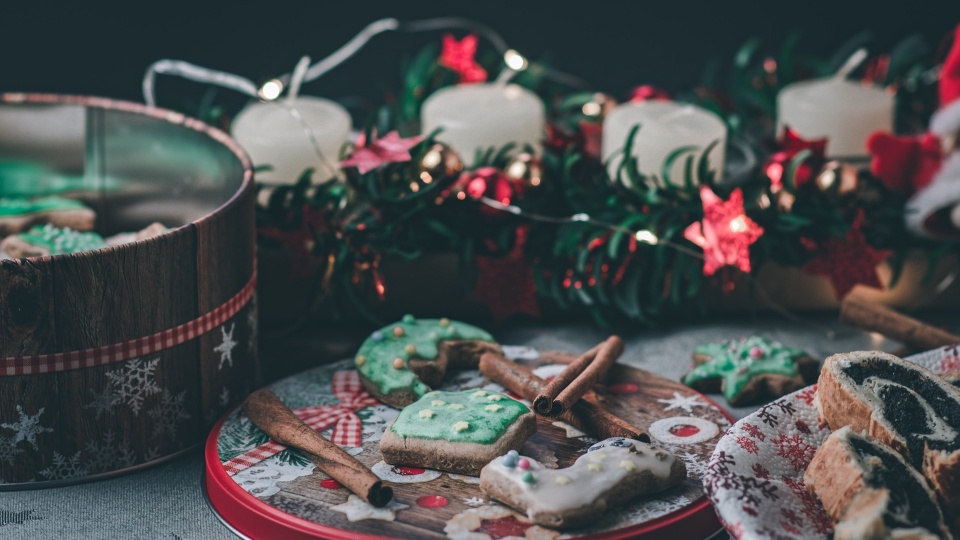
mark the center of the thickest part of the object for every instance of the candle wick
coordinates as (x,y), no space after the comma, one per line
(296,80)
(504,77)
(851,64)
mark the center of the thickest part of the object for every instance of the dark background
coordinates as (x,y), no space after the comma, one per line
(103,49)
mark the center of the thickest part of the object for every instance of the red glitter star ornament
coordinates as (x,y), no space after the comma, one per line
(387,149)
(458,56)
(725,234)
(504,527)
(848,261)
(505,284)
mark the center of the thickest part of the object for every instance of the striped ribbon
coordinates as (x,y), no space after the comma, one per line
(128,350)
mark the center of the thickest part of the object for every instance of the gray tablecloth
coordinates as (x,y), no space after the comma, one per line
(167,501)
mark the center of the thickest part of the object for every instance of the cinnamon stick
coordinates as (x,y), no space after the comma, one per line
(587,415)
(577,378)
(876,317)
(269,414)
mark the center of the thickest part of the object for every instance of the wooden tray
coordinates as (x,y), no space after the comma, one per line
(284,496)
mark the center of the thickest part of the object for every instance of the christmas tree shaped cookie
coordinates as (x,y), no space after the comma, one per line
(17,214)
(399,363)
(750,370)
(611,473)
(41,241)
(458,432)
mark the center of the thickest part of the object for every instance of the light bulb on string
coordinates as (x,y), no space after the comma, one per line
(515,60)
(270,90)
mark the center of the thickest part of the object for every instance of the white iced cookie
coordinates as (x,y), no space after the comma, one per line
(611,473)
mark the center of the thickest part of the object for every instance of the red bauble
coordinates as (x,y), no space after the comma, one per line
(491,183)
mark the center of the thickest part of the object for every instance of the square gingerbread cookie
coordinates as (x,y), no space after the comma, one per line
(457,432)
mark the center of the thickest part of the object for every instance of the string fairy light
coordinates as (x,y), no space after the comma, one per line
(649,237)
(272,89)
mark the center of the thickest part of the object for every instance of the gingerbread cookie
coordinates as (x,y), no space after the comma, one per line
(399,363)
(50,240)
(871,492)
(457,432)
(611,473)
(750,370)
(19,214)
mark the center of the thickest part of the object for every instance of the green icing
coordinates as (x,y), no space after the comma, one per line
(21,206)
(483,418)
(381,349)
(60,241)
(736,362)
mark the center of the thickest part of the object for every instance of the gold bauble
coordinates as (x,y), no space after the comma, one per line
(599,105)
(439,161)
(524,168)
(838,178)
(784,200)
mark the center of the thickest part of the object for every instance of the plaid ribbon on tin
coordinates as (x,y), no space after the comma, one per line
(347,431)
(119,352)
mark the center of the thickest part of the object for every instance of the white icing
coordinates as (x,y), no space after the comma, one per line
(591,477)
(385,472)
(661,430)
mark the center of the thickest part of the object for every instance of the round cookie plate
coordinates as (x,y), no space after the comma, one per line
(262,490)
(755,476)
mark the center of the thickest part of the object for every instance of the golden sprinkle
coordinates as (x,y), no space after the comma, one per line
(456,406)
(478,394)
(562,480)
(661,455)
(461,426)
(595,467)
(438,403)
(597,456)
(398,363)
(494,397)
(628,466)
(361,360)
(493,408)
(410,349)
(444,322)
(398,331)
(426,413)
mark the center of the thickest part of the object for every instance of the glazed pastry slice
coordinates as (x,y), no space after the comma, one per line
(902,405)
(457,432)
(399,363)
(871,492)
(610,474)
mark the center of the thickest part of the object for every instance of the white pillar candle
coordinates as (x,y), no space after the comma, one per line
(291,135)
(842,111)
(480,116)
(665,126)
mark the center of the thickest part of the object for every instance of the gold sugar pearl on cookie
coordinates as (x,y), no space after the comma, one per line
(628,466)
(444,322)
(597,456)
(398,331)
(493,408)
(461,426)
(595,467)
(398,363)
(426,413)
(438,403)
(410,349)
(494,397)
(360,360)
(478,394)
(456,406)
(562,480)
(661,455)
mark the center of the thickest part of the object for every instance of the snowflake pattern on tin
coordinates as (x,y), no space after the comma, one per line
(168,414)
(27,427)
(65,467)
(132,383)
(226,346)
(102,402)
(679,401)
(108,454)
(9,450)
